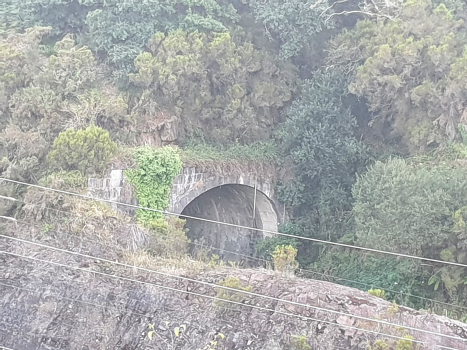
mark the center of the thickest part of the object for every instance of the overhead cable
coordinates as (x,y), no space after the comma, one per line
(231,289)
(239,226)
(302,270)
(220,299)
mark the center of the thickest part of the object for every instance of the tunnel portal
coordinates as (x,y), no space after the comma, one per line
(234,204)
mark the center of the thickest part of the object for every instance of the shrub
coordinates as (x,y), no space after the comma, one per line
(153,179)
(318,137)
(86,150)
(379,345)
(265,247)
(63,180)
(284,258)
(398,278)
(231,282)
(408,208)
(217,87)
(168,238)
(378,293)
(405,344)
(298,342)
(22,154)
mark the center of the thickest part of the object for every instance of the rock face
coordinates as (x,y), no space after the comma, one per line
(240,199)
(52,307)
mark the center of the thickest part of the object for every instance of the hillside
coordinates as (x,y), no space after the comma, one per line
(73,307)
(297,144)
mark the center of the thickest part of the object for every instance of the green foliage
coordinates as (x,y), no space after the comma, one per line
(49,94)
(380,293)
(454,278)
(153,178)
(299,342)
(265,247)
(402,344)
(412,72)
(231,282)
(202,153)
(318,137)
(222,90)
(405,344)
(407,208)
(294,24)
(65,16)
(393,309)
(118,30)
(284,259)
(412,207)
(87,151)
(65,180)
(387,273)
(24,154)
(379,345)
(168,237)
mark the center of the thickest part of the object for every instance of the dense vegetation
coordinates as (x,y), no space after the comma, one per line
(364,103)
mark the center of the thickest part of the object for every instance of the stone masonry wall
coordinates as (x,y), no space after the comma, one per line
(188,185)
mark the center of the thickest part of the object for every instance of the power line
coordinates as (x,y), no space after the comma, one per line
(75,300)
(306,271)
(254,258)
(238,226)
(218,299)
(101,306)
(386,289)
(231,289)
(125,312)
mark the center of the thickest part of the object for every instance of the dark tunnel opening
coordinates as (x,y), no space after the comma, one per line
(232,204)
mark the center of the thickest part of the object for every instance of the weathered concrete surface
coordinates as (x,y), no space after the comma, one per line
(218,196)
(50,307)
(232,204)
(192,182)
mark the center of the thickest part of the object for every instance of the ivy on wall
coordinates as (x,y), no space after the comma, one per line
(153,178)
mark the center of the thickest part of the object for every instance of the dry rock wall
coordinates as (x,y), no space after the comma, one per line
(46,306)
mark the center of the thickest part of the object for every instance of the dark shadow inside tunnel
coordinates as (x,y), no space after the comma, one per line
(235,204)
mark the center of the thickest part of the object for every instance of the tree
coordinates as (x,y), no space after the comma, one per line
(121,29)
(64,16)
(412,72)
(219,89)
(294,24)
(118,30)
(50,93)
(86,150)
(406,208)
(318,137)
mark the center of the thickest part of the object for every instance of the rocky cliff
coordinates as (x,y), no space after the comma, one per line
(86,306)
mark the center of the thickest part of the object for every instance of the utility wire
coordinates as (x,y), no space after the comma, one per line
(308,270)
(76,300)
(31,291)
(125,312)
(237,226)
(301,270)
(233,289)
(219,299)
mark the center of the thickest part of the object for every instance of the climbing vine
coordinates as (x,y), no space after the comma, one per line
(153,178)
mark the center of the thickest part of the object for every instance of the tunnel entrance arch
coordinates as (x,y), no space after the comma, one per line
(235,204)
